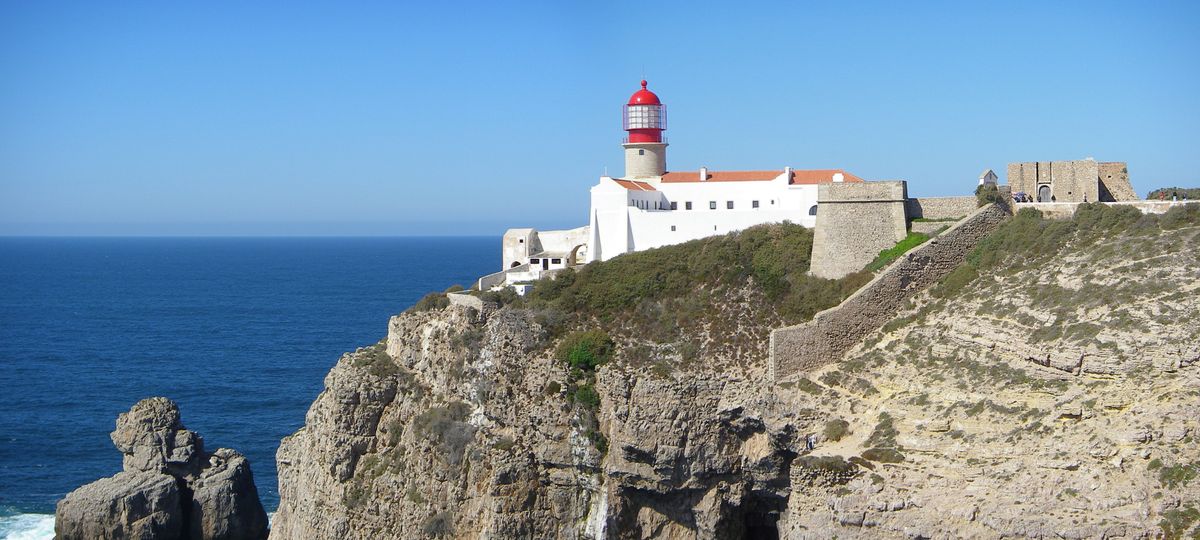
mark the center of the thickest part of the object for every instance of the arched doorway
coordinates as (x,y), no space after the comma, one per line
(1044,194)
(812,211)
(573,258)
(515,264)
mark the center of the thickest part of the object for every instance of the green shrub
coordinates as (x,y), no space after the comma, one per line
(1177,475)
(599,441)
(1181,216)
(502,297)
(438,525)
(505,443)
(888,255)
(883,455)
(585,350)
(885,432)
(835,430)
(455,288)
(552,388)
(430,302)
(1176,522)
(988,194)
(375,360)
(955,281)
(446,427)
(469,339)
(586,396)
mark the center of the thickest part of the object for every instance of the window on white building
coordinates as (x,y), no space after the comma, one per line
(712,205)
(812,211)
(674,205)
(641,152)
(753,204)
(672,228)
(555,261)
(535,261)
(687,205)
(729,205)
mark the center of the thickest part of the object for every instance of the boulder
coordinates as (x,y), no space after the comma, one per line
(225,503)
(170,488)
(132,504)
(152,438)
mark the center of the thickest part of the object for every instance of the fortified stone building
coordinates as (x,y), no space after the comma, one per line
(1085,180)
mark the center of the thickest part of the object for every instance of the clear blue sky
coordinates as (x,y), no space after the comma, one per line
(467,118)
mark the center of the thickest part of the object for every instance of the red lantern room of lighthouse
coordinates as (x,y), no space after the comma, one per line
(644,118)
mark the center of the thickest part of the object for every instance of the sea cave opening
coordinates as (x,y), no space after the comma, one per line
(761,525)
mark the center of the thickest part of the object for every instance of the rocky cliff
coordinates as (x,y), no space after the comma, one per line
(170,487)
(1047,394)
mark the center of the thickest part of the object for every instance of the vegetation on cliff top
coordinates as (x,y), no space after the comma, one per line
(1029,239)
(667,290)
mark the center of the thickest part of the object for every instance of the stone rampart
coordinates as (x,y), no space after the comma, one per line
(941,207)
(855,221)
(1065,210)
(801,348)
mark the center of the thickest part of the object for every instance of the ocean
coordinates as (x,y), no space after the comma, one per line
(239,331)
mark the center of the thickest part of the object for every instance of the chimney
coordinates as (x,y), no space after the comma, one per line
(838,177)
(703,174)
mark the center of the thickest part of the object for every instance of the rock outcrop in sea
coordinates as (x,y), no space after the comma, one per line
(169,488)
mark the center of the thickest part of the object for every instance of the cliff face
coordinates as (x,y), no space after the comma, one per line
(1056,399)
(467,434)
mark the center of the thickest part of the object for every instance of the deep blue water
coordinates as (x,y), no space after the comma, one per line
(239,331)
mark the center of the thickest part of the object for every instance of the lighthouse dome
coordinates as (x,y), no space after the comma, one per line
(644,97)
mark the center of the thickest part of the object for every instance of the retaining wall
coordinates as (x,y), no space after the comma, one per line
(801,348)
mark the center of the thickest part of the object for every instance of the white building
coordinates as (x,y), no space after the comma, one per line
(988,177)
(650,207)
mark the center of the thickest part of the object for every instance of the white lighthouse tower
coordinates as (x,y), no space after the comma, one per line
(644,119)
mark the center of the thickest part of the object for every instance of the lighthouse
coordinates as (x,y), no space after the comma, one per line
(644,118)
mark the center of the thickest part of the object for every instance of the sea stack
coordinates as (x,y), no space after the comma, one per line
(170,487)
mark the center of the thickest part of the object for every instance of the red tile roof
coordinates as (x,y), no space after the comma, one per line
(818,176)
(634,185)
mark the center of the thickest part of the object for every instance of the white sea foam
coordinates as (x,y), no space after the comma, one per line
(27,527)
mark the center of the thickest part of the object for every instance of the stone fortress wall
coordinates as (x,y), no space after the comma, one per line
(1084,180)
(941,207)
(1114,178)
(855,221)
(824,339)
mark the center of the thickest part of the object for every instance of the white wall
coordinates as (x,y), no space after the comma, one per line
(622,226)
